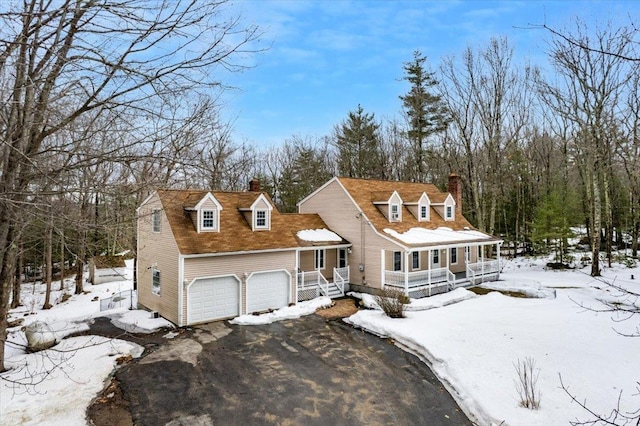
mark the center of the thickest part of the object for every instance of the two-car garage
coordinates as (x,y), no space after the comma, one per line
(216,298)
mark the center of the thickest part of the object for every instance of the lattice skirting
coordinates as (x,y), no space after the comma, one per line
(308,294)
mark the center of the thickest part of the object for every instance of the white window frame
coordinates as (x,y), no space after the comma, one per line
(435,256)
(467,253)
(453,253)
(398,263)
(448,212)
(213,220)
(156,221)
(415,260)
(320,257)
(424,212)
(394,216)
(156,276)
(257,219)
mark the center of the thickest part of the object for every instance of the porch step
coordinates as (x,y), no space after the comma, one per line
(334,291)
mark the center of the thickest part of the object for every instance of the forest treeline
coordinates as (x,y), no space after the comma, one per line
(94,117)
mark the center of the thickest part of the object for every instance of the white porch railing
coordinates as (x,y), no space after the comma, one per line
(340,277)
(419,280)
(482,271)
(313,280)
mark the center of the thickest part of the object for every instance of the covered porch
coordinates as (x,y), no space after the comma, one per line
(425,271)
(322,272)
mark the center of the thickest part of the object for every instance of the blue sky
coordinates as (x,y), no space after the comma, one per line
(326,57)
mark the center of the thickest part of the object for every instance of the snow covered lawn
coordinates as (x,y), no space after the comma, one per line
(472,345)
(55,386)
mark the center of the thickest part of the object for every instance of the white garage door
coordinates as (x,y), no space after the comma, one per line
(212,299)
(267,290)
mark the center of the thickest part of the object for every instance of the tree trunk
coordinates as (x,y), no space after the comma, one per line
(596,226)
(6,277)
(17,279)
(48,264)
(62,266)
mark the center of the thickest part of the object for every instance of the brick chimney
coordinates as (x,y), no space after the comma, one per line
(254,185)
(455,189)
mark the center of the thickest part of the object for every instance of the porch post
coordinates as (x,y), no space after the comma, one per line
(429,276)
(406,272)
(498,251)
(482,260)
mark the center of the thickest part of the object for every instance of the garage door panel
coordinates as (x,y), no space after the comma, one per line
(267,290)
(212,299)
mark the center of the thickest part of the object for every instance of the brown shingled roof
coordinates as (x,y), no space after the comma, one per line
(235,232)
(365,191)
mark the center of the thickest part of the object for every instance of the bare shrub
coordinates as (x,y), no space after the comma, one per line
(392,302)
(526,385)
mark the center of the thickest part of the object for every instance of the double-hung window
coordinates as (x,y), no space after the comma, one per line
(449,212)
(397,261)
(436,257)
(395,212)
(423,212)
(454,255)
(415,260)
(208,219)
(261,218)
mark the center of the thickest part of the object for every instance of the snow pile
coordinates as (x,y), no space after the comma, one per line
(288,312)
(56,385)
(444,299)
(439,235)
(318,235)
(62,380)
(529,288)
(138,321)
(472,346)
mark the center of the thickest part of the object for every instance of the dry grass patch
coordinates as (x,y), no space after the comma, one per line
(340,308)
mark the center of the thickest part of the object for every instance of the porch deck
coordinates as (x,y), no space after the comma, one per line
(440,280)
(312,284)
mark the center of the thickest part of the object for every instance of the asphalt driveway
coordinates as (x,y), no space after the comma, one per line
(307,371)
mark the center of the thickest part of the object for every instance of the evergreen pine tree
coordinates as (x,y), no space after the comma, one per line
(425,111)
(358,144)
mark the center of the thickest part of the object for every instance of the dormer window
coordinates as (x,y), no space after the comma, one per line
(449,213)
(208,220)
(424,213)
(261,219)
(395,212)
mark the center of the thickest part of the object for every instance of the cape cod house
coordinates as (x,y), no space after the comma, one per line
(406,235)
(210,255)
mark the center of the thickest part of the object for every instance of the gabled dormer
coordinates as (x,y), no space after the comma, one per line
(391,207)
(424,208)
(260,214)
(419,205)
(205,215)
(447,209)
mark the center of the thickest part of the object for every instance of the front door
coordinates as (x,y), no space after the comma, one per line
(342,258)
(435,259)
